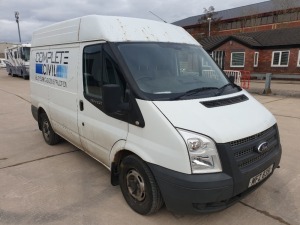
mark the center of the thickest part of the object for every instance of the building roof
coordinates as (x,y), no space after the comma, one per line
(248,10)
(211,42)
(278,38)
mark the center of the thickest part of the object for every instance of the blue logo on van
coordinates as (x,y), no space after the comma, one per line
(60,71)
(39,68)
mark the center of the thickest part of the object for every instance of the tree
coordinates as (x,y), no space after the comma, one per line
(209,16)
(208,13)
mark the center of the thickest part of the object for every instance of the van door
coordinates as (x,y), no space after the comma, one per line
(99,132)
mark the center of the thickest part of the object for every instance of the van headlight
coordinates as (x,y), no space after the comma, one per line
(203,153)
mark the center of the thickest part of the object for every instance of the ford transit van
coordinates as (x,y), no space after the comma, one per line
(145,100)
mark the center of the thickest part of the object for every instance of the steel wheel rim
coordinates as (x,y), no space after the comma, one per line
(46,130)
(136,185)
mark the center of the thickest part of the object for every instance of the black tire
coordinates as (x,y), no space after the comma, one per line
(22,75)
(139,187)
(50,137)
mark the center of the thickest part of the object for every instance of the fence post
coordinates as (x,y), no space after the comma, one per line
(268,84)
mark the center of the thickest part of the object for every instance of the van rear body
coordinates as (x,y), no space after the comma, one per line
(144,99)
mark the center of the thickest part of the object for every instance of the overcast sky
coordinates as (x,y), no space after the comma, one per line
(38,13)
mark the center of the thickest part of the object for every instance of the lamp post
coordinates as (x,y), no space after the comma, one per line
(209,22)
(17,20)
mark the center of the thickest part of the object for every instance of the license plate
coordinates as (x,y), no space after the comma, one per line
(261,176)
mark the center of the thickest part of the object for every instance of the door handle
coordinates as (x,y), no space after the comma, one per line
(81,105)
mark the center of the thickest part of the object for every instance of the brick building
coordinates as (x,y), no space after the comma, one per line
(274,14)
(274,51)
(261,38)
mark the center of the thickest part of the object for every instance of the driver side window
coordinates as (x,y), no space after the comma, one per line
(99,68)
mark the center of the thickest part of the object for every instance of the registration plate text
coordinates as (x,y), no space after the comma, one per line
(261,176)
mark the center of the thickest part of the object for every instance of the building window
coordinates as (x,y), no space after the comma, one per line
(237,59)
(248,23)
(298,63)
(280,58)
(256,55)
(233,25)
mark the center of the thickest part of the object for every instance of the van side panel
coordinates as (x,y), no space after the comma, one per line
(56,70)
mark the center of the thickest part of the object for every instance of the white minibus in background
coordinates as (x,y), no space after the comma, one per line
(17,60)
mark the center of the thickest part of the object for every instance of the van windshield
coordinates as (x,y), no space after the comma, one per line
(166,71)
(25,53)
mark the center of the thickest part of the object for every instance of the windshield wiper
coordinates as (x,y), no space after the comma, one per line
(194,91)
(222,89)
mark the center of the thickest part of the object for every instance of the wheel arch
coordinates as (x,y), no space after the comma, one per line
(116,160)
(118,153)
(120,150)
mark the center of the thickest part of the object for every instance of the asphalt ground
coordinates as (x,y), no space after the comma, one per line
(42,184)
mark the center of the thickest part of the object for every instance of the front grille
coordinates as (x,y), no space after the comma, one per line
(253,160)
(251,138)
(245,150)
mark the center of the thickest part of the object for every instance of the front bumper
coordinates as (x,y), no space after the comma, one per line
(186,193)
(194,193)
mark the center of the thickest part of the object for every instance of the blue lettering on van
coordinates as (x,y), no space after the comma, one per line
(53,70)
(52,67)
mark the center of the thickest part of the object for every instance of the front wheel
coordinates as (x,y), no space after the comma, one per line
(139,187)
(50,137)
(22,75)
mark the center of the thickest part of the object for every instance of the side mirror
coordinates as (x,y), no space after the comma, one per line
(112,98)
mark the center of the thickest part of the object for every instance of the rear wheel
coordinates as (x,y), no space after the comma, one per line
(50,137)
(22,75)
(138,186)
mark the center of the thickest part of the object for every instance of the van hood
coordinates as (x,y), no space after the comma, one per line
(222,123)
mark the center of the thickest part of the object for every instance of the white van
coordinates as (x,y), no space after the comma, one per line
(144,99)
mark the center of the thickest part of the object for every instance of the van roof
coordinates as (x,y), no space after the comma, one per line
(19,45)
(110,28)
